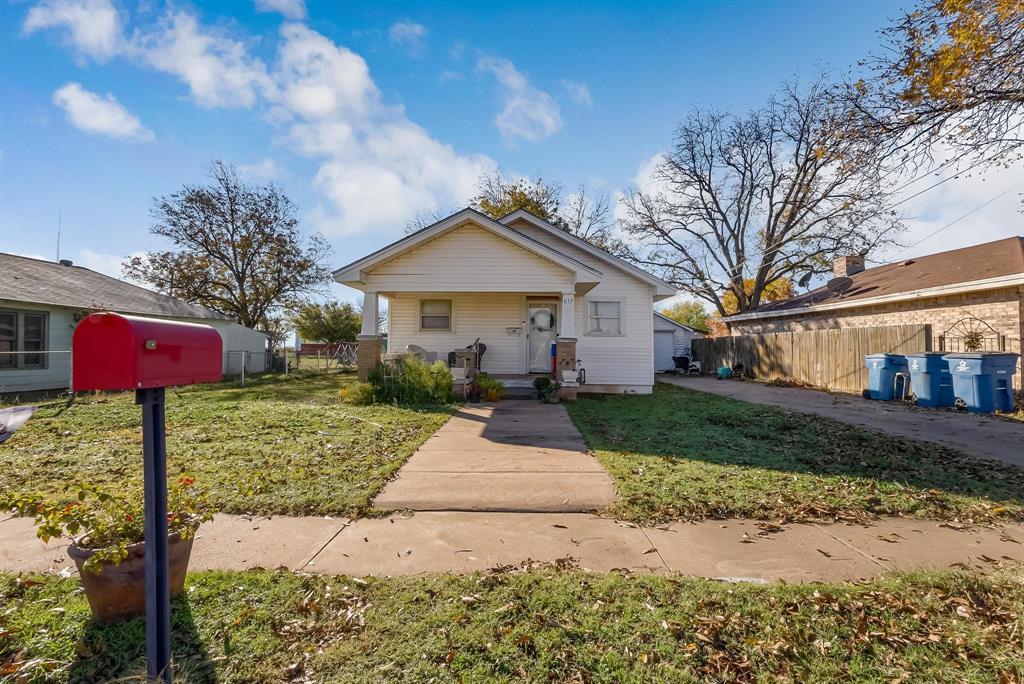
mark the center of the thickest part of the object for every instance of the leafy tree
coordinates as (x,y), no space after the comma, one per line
(689,313)
(952,74)
(586,214)
(237,249)
(775,291)
(500,196)
(780,190)
(331,323)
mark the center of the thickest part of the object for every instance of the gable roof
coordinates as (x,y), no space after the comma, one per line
(660,286)
(979,267)
(35,281)
(677,324)
(354,273)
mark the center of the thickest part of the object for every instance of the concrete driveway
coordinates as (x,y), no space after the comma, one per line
(516,456)
(983,436)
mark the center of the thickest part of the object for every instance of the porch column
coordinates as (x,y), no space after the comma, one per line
(370,313)
(565,349)
(368,340)
(568,315)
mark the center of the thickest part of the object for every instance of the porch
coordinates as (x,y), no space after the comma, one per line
(516,331)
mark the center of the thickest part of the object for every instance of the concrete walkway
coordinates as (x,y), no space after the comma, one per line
(981,436)
(464,542)
(521,456)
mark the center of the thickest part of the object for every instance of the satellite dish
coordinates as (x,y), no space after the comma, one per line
(805,279)
(839,285)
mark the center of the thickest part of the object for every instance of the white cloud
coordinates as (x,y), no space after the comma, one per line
(954,199)
(263,170)
(107,264)
(217,69)
(409,36)
(92,113)
(578,93)
(377,168)
(527,112)
(290,9)
(645,181)
(92,25)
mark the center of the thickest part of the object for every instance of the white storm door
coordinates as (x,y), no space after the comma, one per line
(541,331)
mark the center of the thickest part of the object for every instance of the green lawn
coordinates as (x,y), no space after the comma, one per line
(277,446)
(538,626)
(679,454)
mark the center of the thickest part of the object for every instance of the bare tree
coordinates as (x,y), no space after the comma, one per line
(237,249)
(779,191)
(951,78)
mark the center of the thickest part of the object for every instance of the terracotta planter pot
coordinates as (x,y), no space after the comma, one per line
(118,592)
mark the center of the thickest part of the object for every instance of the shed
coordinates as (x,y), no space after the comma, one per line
(670,339)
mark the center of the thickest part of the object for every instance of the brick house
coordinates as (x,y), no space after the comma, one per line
(975,289)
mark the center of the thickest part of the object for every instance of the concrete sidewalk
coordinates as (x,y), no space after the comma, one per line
(513,456)
(435,542)
(982,436)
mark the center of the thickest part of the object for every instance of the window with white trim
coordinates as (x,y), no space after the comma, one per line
(435,314)
(21,331)
(605,318)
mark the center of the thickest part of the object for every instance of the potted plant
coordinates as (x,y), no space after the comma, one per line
(541,384)
(551,393)
(492,389)
(107,535)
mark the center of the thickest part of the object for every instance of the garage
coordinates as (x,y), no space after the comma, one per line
(670,337)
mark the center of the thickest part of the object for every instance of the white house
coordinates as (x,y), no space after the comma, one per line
(671,338)
(521,285)
(41,302)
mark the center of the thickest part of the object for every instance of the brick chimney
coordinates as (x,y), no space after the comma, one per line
(846,266)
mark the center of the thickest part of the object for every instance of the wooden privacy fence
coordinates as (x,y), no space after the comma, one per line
(826,358)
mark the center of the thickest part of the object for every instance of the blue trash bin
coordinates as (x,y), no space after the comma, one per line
(888,377)
(983,381)
(930,379)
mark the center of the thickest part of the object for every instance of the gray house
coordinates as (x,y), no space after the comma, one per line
(41,302)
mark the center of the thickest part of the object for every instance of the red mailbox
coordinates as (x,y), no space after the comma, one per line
(115,352)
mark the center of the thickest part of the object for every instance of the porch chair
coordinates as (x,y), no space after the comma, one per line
(423,354)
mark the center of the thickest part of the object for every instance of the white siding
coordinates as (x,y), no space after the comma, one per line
(237,339)
(624,360)
(469,259)
(475,315)
(57,373)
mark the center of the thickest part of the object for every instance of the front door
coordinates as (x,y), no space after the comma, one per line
(541,330)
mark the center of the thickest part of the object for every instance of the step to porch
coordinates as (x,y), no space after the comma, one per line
(516,387)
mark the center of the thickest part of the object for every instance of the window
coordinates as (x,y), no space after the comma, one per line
(33,339)
(22,332)
(8,339)
(436,314)
(605,318)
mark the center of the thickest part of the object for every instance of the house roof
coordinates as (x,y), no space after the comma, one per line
(354,272)
(676,323)
(979,267)
(35,281)
(662,288)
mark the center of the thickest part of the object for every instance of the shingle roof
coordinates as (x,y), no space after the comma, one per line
(979,262)
(35,281)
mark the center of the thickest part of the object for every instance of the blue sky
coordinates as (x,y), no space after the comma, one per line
(367,113)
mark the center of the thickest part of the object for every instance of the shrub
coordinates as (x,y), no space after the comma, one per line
(411,381)
(492,389)
(110,522)
(359,394)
